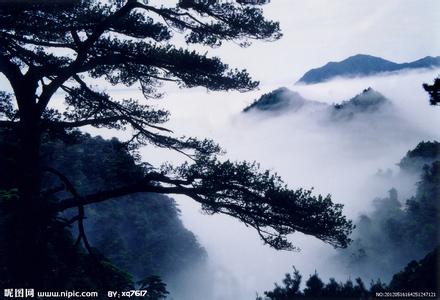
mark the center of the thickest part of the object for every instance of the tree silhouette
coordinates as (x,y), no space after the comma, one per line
(314,286)
(65,46)
(434,91)
(289,290)
(417,276)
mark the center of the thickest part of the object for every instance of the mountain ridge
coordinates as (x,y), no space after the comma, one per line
(282,100)
(276,100)
(362,65)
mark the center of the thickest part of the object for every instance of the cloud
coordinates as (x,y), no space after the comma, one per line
(337,158)
(319,31)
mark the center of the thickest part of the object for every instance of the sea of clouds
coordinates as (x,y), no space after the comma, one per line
(337,158)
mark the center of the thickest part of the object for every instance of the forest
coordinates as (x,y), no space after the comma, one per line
(84,206)
(413,229)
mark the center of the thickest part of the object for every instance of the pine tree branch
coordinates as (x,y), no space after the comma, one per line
(83,49)
(147,185)
(37,42)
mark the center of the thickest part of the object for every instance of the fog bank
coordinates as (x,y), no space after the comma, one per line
(341,159)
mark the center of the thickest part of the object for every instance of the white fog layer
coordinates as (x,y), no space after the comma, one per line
(317,137)
(308,150)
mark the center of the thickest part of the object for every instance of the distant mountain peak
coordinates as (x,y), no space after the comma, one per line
(283,100)
(361,58)
(368,101)
(360,65)
(364,56)
(367,98)
(277,100)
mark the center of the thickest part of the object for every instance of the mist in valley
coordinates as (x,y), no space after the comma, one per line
(347,137)
(354,160)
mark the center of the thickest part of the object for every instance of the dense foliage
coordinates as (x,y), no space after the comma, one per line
(67,47)
(433,91)
(397,232)
(140,233)
(417,277)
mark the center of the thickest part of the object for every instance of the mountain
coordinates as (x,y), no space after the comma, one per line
(399,228)
(139,233)
(283,100)
(369,101)
(278,100)
(424,154)
(363,65)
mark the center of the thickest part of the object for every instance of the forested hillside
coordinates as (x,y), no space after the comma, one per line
(141,234)
(399,230)
(418,279)
(283,100)
(396,246)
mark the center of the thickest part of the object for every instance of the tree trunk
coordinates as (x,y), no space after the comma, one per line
(29,214)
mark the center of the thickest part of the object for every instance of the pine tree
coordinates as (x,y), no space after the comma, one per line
(64,46)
